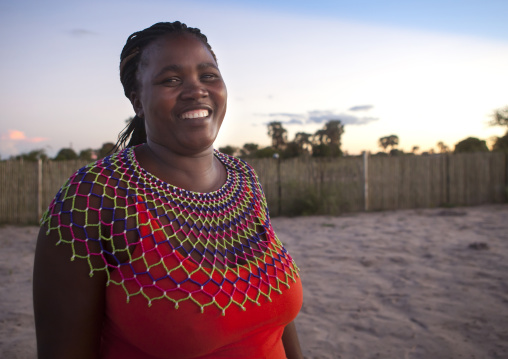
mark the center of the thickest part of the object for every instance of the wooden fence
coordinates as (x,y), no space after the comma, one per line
(374,183)
(27,188)
(306,185)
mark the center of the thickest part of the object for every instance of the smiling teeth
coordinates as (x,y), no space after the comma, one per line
(195,114)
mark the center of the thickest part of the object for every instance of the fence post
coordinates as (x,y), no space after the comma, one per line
(506,176)
(448,198)
(39,189)
(276,156)
(279,183)
(366,180)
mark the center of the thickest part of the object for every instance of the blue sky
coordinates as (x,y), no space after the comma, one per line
(426,71)
(467,17)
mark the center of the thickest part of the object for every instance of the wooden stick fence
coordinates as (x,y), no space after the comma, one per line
(27,188)
(303,186)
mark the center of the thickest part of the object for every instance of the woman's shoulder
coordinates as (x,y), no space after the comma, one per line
(235,163)
(92,186)
(112,165)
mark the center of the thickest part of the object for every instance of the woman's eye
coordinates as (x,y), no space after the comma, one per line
(209,76)
(172,81)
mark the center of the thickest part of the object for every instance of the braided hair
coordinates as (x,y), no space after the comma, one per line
(134,133)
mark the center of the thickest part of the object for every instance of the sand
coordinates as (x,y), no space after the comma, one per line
(426,283)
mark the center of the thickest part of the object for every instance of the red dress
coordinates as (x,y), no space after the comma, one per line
(206,276)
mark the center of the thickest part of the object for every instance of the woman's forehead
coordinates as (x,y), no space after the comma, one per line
(178,47)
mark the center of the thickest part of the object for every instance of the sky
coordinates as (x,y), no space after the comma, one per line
(426,71)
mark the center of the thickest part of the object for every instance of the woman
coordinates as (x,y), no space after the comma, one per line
(165,249)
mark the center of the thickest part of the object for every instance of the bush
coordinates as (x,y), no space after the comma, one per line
(471,144)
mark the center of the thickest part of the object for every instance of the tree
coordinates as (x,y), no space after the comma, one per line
(87,154)
(249,150)
(501,143)
(229,150)
(396,152)
(319,138)
(278,135)
(66,154)
(442,147)
(304,142)
(321,150)
(266,152)
(291,150)
(388,141)
(106,149)
(415,149)
(500,117)
(300,146)
(471,144)
(327,141)
(33,155)
(333,132)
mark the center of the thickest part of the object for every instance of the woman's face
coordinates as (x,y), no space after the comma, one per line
(181,94)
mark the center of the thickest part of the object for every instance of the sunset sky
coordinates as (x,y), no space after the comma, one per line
(427,71)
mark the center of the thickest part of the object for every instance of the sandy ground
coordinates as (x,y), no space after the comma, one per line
(404,284)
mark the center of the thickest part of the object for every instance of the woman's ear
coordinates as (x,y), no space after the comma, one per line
(136,104)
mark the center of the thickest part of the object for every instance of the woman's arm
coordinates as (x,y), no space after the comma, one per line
(68,303)
(291,342)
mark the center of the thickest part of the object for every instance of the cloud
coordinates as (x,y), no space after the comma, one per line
(15,135)
(361,108)
(322,116)
(288,118)
(37,139)
(19,136)
(318,117)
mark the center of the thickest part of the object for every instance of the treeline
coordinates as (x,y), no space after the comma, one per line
(66,154)
(326,142)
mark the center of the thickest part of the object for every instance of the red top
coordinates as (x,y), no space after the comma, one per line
(138,331)
(190,275)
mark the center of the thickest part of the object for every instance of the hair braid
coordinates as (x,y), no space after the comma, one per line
(134,133)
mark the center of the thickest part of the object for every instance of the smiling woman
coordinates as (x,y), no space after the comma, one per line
(181,96)
(165,249)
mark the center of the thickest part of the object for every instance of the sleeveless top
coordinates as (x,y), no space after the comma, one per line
(190,275)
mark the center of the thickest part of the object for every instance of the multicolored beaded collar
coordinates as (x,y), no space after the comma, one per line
(165,243)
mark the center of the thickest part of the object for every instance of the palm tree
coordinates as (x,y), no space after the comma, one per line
(389,141)
(500,117)
(278,135)
(303,141)
(326,142)
(333,131)
(442,147)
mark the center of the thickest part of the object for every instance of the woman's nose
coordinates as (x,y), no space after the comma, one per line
(194,90)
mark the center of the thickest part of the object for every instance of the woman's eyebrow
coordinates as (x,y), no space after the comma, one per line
(206,65)
(174,68)
(177,68)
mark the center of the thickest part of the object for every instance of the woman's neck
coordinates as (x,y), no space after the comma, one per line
(197,172)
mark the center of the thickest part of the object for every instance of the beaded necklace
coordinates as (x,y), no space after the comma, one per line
(162,242)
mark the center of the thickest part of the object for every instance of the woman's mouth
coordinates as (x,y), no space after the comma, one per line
(196,114)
